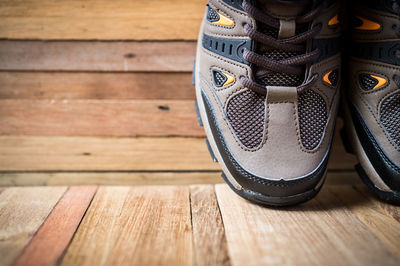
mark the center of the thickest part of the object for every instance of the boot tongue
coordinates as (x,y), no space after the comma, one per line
(285,9)
(286,12)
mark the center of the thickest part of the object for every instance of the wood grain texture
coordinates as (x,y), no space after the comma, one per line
(117,86)
(97,56)
(389,209)
(110,178)
(22,211)
(35,153)
(135,226)
(208,231)
(141,178)
(53,237)
(323,231)
(384,226)
(99,118)
(105,20)
(89,153)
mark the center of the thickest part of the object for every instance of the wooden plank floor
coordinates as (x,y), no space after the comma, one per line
(102,161)
(194,225)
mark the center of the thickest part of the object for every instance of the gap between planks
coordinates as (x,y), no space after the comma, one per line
(134,226)
(53,237)
(323,231)
(22,211)
(339,226)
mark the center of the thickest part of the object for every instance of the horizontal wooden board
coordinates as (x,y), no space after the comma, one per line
(139,178)
(105,20)
(99,118)
(91,153)
(32,153)
(72,85)
(96,56)
(111,178)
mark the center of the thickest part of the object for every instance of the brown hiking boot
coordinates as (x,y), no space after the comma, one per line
(372,102)
(267,75)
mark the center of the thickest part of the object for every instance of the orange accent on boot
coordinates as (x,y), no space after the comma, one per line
(334,21)
(224,21)
(381,81)
(326,78)
(229,79)
(368,24)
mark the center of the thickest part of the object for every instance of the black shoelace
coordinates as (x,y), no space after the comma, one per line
(396,28)
(293,65)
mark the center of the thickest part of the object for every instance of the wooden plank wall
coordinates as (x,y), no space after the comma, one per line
(103,88)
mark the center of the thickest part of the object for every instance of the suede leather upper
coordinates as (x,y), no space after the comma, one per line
(369,102)
(281,154)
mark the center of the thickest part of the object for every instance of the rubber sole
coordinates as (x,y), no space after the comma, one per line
(390,197)
(353,146)
(275,201)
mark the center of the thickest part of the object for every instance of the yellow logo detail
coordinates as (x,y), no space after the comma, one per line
(334,21)
(229,79)
(381,81)
(326,78)
(368,24)
(224,21)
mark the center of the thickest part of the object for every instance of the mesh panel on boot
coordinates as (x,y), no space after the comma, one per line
(367,82)
(313,117)
(390,117)
(212,15)
(246,112)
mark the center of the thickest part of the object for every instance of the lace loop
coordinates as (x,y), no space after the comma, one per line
(293,65)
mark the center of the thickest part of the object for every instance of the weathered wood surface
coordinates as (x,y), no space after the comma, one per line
(208,229)
(99,118)
(22,211)
(53,237)
(193,225)
(142,178)
(96,86)
(31,153)
(105,20)
(135,226)
(320,232)
(97,56)
(103,154)
(384,226)
(112,178)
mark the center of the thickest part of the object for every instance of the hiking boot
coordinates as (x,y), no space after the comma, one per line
(267,75)
(372,102)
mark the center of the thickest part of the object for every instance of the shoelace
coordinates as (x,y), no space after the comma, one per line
(396,28)
(292,65)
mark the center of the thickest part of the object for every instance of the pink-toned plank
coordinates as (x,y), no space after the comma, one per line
(97,56)
(95,85)
(49,243)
